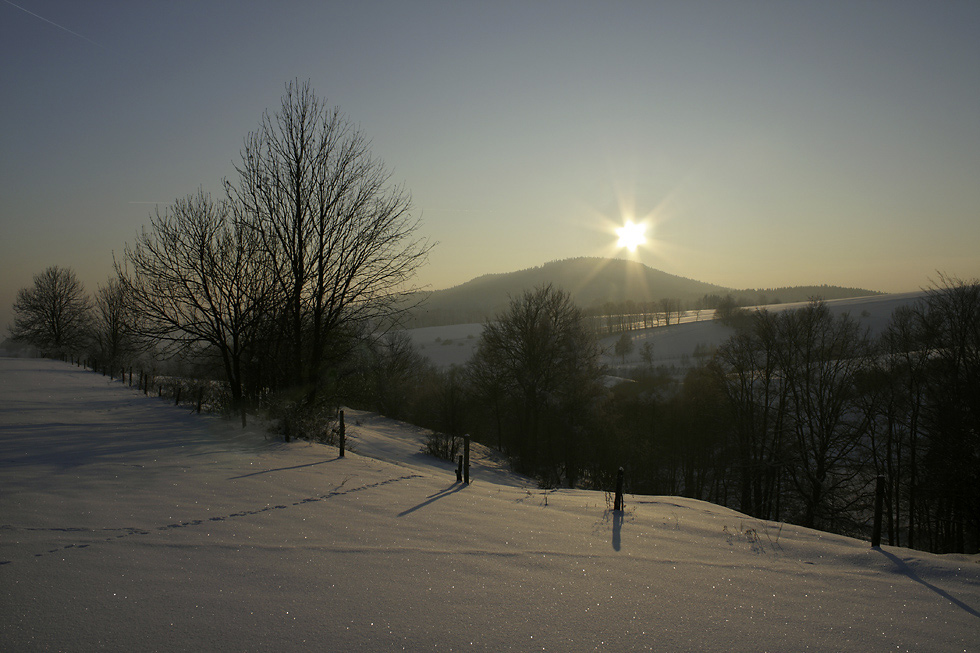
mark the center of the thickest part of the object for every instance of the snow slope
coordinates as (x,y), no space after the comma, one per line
(129,524)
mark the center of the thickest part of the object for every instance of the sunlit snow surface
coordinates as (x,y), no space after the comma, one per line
(129,524)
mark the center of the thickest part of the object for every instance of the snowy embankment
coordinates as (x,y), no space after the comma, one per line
(129,524)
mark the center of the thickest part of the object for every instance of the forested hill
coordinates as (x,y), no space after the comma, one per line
(594,282)
(790,294)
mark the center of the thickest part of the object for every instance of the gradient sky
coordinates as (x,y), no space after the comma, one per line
(767,143)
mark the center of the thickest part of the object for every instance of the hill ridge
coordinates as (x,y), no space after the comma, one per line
(594,282)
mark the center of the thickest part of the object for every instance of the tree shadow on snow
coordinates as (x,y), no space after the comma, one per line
(907,571)
(617,527)
(283,469)
(432,498)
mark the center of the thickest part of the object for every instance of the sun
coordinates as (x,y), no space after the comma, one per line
(631,235)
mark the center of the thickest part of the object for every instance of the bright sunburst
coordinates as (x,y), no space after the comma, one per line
(631,235)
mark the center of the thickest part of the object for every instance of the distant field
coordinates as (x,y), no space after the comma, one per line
(674,345)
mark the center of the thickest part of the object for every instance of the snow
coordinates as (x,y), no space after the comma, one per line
(450,345)
(673,346)
(127,523)
(676,345)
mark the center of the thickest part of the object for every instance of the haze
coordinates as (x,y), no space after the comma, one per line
(763,144)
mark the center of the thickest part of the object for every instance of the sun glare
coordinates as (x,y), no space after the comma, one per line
(631,235)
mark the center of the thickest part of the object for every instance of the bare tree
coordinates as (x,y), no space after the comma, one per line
(950,323)
(485,374)
(670,307)
(341,238)
(113,328)
(52,314)
(197,281)
(624,346)
(894,398)
(820,356)
(749,374)
(646,353)
(395,366)
(541,357)
(699,305)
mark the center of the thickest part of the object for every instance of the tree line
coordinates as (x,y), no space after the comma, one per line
(792,419)
(272,287)
(817,409)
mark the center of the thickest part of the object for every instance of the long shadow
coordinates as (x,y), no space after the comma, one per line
(452,489)
(617,527)
(905,569)
(283,469)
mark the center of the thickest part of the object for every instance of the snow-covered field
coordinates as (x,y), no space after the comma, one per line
(672,346)
(447,345)
(129,524)
(676,345)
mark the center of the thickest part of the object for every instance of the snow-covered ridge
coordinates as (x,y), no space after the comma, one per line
(129,524)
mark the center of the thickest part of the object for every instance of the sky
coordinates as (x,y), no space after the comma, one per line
(763,144)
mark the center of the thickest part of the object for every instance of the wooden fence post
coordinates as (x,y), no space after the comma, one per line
(177,398)
(342,433)
(618,501)
(200,398)
(879,502)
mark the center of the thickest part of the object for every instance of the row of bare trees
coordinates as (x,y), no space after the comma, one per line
(814,409)
(789,378)
(792,419)
(922,405)
(627,316)
(59,319)
(307,257)
(533,388)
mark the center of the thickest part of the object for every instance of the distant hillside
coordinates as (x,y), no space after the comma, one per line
(592,283)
